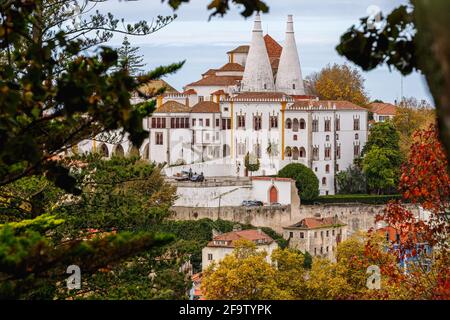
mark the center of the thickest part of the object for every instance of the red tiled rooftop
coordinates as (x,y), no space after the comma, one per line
(206,107)
(190,91)
(232,67)
(313,223)
(383,108)
(172,107)
(326,104)
(273,48)
(231,237)
(216,81)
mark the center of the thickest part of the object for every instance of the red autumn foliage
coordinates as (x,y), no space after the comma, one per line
(424,182)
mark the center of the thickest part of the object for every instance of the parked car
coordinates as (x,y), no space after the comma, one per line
(182,176)
(197,178)
(252,203)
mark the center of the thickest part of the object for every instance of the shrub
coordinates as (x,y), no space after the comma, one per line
(305,180)
(358,198)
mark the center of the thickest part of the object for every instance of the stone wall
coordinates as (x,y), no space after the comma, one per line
(356,216)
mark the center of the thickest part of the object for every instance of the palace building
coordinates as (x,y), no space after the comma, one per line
(255,103)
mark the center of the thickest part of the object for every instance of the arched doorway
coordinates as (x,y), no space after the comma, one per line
(133,152)
(104,150)
(118,151)
(302,124)
(295,153)
(273,194)
(288,152)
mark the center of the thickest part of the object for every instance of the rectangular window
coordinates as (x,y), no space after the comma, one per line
(356,150)
(153,122)
(200,122)
(207,122)
(273,122)
(315,125)
(217,122)
(186,122)
(328,233)
(163,125)
(226,124)
(327,153)
(302,235)
(355,124)
(327,125)
(158,138)
(257,123)
(241,121)
(241,148)
(177,123)
(338,124)
(338,152)
(210,256)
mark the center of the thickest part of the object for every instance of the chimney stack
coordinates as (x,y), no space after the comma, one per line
(289,74)
(258,75)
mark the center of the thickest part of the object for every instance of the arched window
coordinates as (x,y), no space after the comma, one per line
(288,152)
(295,153)
(118,151)
(104,150)
(302,124)
(324,181)
(295,125)
(302,152)
(356,136)
(288,123)
(327,168)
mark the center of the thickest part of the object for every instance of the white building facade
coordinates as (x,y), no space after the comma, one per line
(256,104)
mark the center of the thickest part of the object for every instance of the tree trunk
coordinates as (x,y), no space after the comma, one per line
(433,51)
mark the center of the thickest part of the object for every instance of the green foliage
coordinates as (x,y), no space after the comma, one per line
(305,180)
(122,193)
(406,39)
(193,235)
(129,59)
(382,158)
(358,198)
(351,181)
(251,162)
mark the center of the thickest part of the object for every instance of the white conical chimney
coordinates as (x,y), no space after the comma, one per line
(289,74)
(258,74)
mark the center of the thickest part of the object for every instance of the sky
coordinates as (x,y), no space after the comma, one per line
(203,44)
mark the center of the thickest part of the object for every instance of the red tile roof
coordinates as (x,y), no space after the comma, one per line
(315,223)
(219,92)
(326,104)
(273,48)
(210,72)
(206,107)
(228,239)
(190,91)
(216,81)
(232,67)
(383,108)
(172,107)
(240,49)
